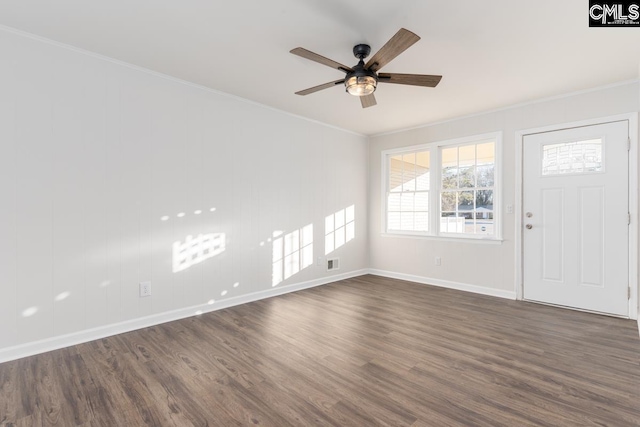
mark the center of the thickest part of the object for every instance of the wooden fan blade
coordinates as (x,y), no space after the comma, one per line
(409,79)
(368,101)
(319,87)
(307,54)
(402,40)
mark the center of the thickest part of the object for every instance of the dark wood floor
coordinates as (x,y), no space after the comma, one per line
(362,352)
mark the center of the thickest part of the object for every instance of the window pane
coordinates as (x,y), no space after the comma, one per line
(466,177)
(450,167)
(421,221)
(466,202)
(406,221)
(484,223)
(394,202)
(572,157)
(423,159)
(407,202)
(485,153)
(485,175)
(450,223)
(421,201)
(484,199)
(448,201)
(467,155)
(449,157)
(422,170)
(393,221)
(450,178)
(395,173)
(409,172)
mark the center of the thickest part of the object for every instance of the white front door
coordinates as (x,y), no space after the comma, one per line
(576,207)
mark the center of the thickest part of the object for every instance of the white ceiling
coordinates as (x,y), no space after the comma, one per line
(491,53)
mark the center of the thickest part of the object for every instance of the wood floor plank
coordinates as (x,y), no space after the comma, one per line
(367,351)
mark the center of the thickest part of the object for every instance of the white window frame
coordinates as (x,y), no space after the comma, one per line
(435,149)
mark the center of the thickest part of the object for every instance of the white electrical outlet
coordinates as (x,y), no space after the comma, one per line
(509,209)
(319,262)
(145,289)
(438,261)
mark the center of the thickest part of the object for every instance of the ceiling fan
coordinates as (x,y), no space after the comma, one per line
(362,79)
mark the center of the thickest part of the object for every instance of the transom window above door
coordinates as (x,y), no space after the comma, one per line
(446,189)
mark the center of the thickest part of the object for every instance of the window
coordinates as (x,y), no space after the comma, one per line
(408,196)
(466,196)
(572,157)
(443,189)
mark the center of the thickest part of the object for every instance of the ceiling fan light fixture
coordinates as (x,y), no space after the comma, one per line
(362,79)
(361,85)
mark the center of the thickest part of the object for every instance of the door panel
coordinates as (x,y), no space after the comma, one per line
(553,217)
(591,236)
(575,196)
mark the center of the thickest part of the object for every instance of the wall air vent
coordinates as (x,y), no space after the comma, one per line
(333,264)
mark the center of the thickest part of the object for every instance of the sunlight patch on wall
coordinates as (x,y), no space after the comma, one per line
(292,253)
(183,214)
(196,250)
(29,311)
(339,228)
(62,296)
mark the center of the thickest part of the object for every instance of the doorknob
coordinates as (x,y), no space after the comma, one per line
(529,214)
(529,226)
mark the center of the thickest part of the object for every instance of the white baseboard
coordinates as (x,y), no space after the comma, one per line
(445,284)
(55,343)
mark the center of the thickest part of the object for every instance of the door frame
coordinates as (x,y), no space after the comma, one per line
(632,118)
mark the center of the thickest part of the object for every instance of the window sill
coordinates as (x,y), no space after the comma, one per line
(484,241)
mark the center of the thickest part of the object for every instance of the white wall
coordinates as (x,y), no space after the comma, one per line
(482,267)
(94,153)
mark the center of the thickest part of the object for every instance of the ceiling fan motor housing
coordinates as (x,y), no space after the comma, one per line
(361,51)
